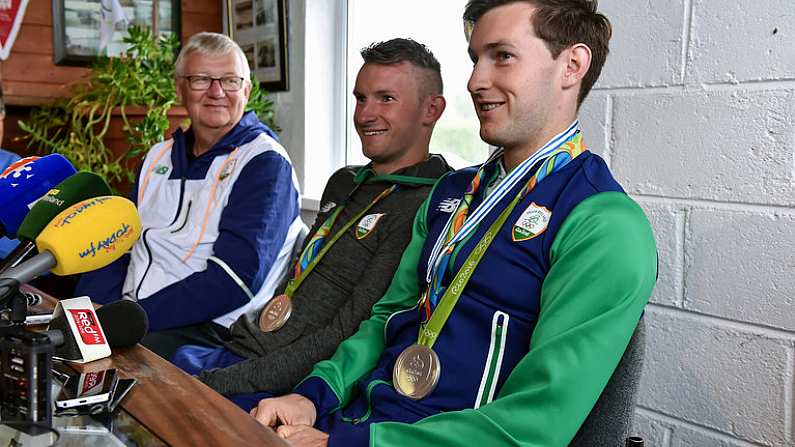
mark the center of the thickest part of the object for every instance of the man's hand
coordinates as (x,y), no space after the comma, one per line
(303,436)
(292,409)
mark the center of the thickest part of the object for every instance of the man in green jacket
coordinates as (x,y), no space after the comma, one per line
(524,279)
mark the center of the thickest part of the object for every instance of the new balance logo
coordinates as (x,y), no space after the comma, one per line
(328,206)
(448,205)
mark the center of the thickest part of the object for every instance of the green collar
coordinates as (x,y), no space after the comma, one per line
(365,174)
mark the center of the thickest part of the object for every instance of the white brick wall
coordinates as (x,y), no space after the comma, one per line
(694,113)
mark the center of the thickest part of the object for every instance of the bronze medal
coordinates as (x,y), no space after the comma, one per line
(275,313)
(416,371)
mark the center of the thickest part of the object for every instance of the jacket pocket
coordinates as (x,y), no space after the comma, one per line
(368,396)
(493,364)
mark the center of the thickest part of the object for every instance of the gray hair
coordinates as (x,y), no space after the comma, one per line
(213,44)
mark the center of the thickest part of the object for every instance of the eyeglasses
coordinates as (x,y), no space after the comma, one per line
(228,83)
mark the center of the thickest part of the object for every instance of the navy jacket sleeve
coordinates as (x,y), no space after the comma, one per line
(105,285)
(254,224)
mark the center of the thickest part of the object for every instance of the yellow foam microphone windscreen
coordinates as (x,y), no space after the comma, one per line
(90,234)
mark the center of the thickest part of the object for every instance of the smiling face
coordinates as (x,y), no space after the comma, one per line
(389,114)
(213,110)
(515,83)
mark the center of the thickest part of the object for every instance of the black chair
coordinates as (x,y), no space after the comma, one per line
(610,420)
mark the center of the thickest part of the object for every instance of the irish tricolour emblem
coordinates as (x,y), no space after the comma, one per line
(366,225)
(531,223)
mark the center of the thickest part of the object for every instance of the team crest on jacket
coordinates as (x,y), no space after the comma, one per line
(531,223)
(367,225)
(229,168)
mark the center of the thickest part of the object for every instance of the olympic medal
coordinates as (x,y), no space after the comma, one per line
(416,371)
(275,313)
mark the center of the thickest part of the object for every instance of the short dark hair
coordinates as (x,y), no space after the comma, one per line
(561,24)
(399,50)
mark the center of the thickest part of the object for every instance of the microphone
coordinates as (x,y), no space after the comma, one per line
(22,184)
(22,161)
(86,236)
(76,188)
(14,307)
(123,323)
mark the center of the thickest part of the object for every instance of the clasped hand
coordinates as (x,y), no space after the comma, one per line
(292,416)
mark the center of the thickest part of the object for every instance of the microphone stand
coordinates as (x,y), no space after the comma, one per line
(12,278)
(18,255)
(25,365)
(13,304)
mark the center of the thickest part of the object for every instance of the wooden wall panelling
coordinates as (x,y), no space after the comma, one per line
(200,15)
(29,76)
(39,12)
(32,38)
(30,63)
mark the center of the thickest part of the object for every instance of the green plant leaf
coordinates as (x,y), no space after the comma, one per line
(143,75)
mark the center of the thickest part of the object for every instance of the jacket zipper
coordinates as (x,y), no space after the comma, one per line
(146,245)
(491,371)
(148,264)
(184,222)
(179,203)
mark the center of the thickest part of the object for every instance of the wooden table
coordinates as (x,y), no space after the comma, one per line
(176,407)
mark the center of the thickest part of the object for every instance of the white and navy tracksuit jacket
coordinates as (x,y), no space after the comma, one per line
(218,232)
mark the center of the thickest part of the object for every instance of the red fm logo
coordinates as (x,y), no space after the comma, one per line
(92,380)
(87,326)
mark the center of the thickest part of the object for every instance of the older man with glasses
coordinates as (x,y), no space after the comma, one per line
(219,205)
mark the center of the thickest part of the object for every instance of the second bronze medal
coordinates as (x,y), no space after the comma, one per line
(278,310)
(275,313)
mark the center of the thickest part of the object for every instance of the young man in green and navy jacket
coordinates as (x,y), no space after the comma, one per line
(524,279)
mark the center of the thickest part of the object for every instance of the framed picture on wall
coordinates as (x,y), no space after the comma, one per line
(86,29)
(260,28)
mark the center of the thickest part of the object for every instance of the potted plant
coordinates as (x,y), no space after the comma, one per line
(128,104)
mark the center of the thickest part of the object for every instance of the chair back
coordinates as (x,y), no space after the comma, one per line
(610,420)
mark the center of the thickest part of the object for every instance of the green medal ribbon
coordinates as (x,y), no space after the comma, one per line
(310,252)
(430,330)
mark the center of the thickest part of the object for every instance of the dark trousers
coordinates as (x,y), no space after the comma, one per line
(165,343)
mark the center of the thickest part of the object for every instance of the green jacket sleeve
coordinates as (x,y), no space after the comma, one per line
(359,354)
(603,269)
